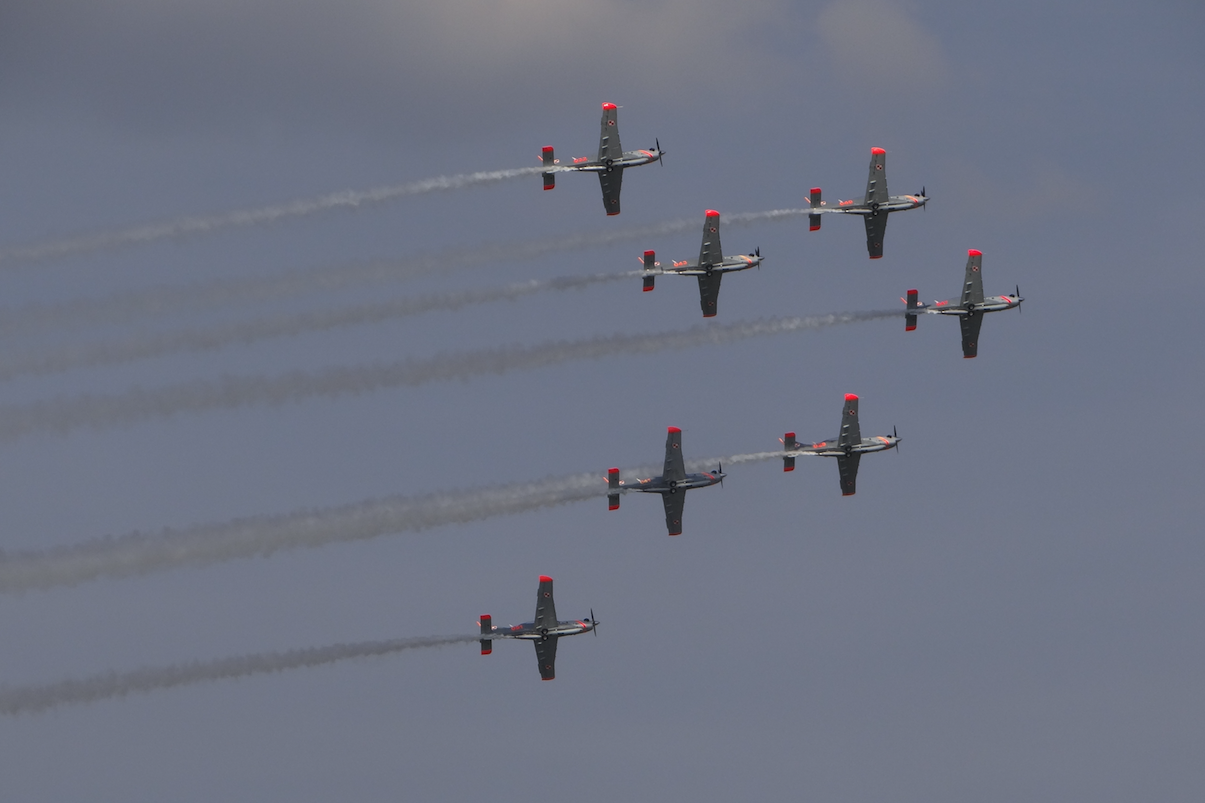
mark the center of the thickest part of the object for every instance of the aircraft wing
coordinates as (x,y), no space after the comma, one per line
(847,467)
(970,333)
(710,252)
(972,287)
(675,466)
(709,292)
(546,657)
(611,182)
(876,228)
(876,184)
(851,432)
(545,607)
(608,140)
(673,511)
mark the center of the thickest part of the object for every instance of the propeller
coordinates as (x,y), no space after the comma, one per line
(1017,295)
(593,622)
(660,153)
(720,470)
(895,435)
(925,205)
(757,253)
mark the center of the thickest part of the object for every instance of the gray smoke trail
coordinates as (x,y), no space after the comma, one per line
(200,224)
(243,333)
(33,699)
(159,301)
(140,553)
(65,414)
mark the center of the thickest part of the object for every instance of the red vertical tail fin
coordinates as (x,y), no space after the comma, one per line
(487,629)
(613,489)
(550,176)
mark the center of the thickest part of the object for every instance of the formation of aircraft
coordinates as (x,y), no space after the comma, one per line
(848,447)
(673,483)
(544,631)
(710,267)
(970,308)
(874,206)
(611,162)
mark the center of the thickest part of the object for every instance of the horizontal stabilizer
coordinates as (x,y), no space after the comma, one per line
(613,489)
(487,628)
(549,161)
(789,445)
(814,219)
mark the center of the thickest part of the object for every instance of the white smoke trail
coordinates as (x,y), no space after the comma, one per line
(140,553)
(246,332)
(201,224)
(166,301)
(33,699)
(64,414)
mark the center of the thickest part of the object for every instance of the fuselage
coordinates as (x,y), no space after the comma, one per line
(894,203)
(989,304)
(834,449)
(729,264)
(530,632)
(585,164)
(660,485)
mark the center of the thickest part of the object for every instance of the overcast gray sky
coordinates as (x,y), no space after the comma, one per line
(1010,607)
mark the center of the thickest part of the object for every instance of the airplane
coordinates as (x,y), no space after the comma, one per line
(969,309)
(874,208)
(710,268)
(673,483)
(610,164)
(544,631)
(848,447)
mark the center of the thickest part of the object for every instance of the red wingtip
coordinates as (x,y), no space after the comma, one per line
(547,678)
(547,149)
(609,106)
(851,397)
(674,429)
(789,435)
(650,253)
(712,213)
(788,468)
(487,652)
(909,328)
(878,151)
(815,190)
(545,578)
(810,228)
(612,214)
(708,314)
(847,493)
(647,289)
(880,256)
(974,252)
(914,292)
(612,507)
(969,356)
(612,471)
